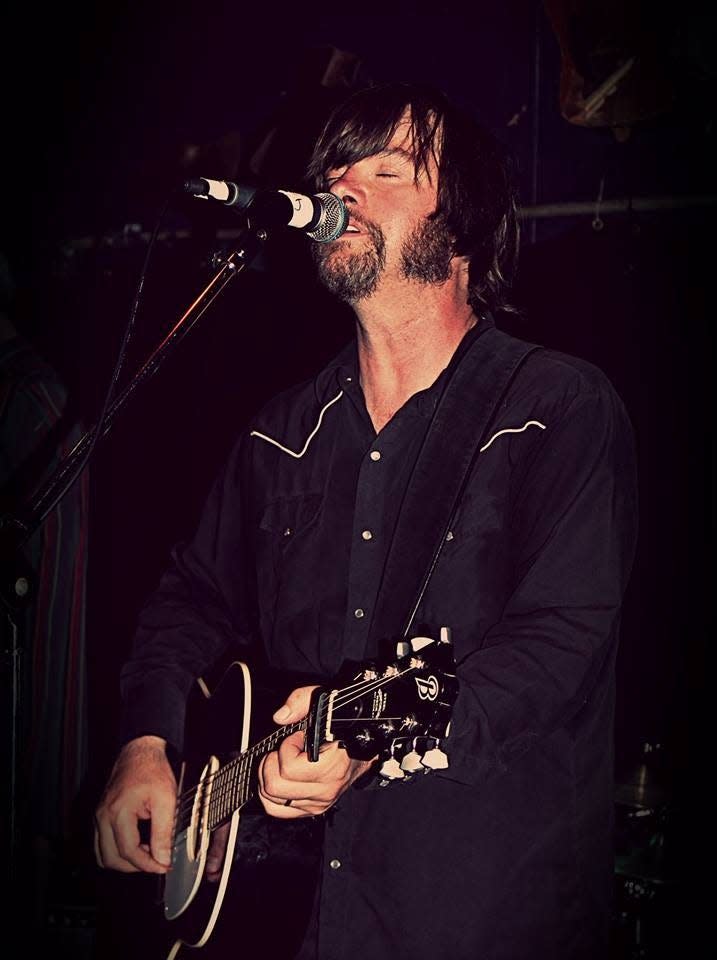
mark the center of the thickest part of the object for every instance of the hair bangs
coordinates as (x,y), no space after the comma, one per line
(365,124)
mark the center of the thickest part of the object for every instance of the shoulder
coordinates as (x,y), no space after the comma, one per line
(299,418)
(557,383)
(556,399)
(293,419)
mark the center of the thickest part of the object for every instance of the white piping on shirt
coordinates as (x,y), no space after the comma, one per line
(528,423)
(292,453)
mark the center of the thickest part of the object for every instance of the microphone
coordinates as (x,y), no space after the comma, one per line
(322,216)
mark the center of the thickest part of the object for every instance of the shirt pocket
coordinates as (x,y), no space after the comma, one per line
(467,589)
(286,535)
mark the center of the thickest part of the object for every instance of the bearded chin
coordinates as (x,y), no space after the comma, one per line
(353,277)
(426,255)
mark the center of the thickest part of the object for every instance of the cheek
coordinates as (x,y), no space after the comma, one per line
(401,230)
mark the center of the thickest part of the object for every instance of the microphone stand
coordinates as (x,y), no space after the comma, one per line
(16,580)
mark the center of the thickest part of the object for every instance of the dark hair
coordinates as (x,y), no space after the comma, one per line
(476,197)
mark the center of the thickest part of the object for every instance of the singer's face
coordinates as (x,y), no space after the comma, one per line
(389,237)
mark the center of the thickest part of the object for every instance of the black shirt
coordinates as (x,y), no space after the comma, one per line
(508,852)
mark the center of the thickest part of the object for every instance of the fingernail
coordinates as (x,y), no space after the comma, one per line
(282,714)
(164,858)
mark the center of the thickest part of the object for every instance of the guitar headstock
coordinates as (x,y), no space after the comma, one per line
(398,709)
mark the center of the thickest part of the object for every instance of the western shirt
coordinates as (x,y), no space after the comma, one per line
(507,853)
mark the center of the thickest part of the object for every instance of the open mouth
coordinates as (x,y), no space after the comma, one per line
(352,228)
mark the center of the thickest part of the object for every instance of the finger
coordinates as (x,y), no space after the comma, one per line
(275,789)
(299,808)
(162,828)
(296,706)
(279,787)
(129,844)
(106,852)
(294,764)
(273,792)
(309,797)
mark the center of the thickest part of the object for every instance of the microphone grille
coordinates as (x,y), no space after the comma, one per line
(333,220)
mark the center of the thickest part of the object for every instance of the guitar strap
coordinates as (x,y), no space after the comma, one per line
(464,414)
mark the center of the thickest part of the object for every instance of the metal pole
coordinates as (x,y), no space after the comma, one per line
(620,205)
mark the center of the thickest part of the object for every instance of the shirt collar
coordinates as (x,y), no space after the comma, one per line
(342,372)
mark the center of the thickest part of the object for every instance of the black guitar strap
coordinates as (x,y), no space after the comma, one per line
(460,426)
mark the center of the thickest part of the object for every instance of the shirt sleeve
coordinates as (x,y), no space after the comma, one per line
(573,527)
(201,608)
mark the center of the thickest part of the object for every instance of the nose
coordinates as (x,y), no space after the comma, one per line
(349,186)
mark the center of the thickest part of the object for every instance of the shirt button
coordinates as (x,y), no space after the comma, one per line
(358,613)
(375,455)
(335,864)
(367,535)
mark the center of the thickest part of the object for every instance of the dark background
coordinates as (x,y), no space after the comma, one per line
(108,109)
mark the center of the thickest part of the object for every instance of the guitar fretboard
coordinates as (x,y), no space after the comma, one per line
(234,784)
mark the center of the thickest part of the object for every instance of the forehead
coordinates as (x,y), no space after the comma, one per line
(406,139)
(402,140)
(403,135)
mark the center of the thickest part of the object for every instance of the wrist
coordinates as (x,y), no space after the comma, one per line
(147,742)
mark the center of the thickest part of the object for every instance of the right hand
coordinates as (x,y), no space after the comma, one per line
(142,786)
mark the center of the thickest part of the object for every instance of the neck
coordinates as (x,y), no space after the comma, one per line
(406,338)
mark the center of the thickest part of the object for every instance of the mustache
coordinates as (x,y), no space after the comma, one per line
(362,221)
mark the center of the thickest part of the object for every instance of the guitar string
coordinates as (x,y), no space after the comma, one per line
(222,799)
(254,752)
(228,769)
(281,732)
(233,792)
(187,800)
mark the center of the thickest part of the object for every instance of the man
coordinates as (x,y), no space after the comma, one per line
(44,686)
(507,852)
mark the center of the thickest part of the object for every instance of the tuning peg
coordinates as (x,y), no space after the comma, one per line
(411,763)
(445,635)
(391,770)
(435,759)
(418,643)
(403,648)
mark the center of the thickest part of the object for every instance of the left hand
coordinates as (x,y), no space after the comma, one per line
(288,774)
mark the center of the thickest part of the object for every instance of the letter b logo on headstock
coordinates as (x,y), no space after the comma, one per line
(427,687)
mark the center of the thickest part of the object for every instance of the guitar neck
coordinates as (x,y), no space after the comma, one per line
(234,784)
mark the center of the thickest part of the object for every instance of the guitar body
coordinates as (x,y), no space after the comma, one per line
(263,857)
(396,710)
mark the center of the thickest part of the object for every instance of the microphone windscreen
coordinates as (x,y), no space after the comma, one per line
(333,221)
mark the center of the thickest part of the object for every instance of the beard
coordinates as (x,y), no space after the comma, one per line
(427,251)
(426,255)
(353,277)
